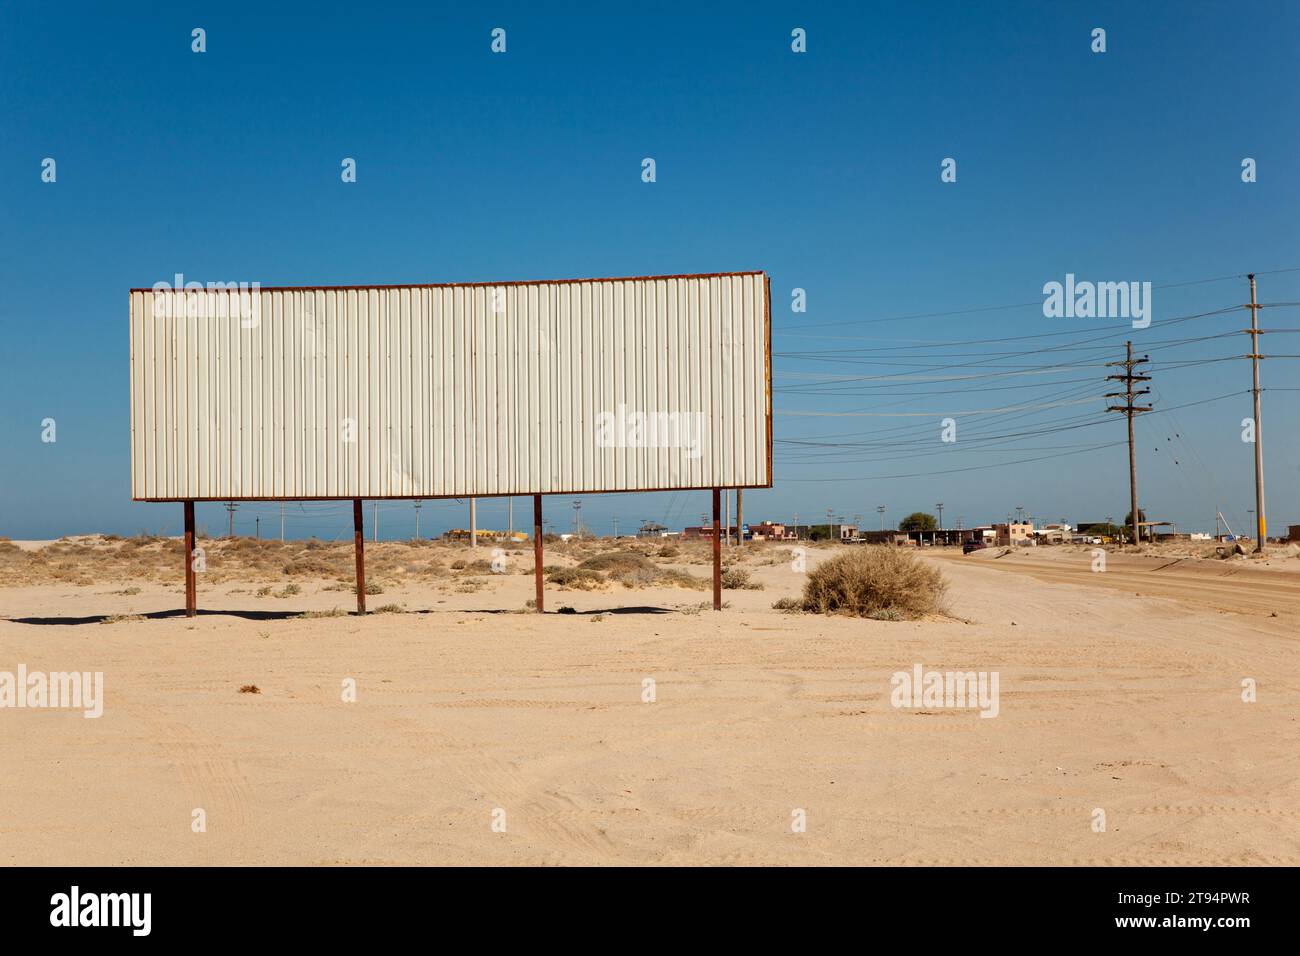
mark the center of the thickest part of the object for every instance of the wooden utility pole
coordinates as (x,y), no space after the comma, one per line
(727,525)
(473,523)
(1261,526)
(1129,410)
(740,516)
(537,553)
(418,505)
(282,522)
(359,544)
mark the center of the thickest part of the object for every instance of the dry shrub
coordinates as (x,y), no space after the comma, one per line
(737,579)
(635,578)
(582,579)
(309,567)
(617,561)
(634,570)
(874,581)
(680,579)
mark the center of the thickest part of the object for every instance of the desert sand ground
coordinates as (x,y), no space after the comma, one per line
(1119,691)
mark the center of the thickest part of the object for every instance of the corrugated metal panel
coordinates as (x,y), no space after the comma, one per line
(451,391)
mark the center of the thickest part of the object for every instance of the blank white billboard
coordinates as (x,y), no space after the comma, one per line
(427,391)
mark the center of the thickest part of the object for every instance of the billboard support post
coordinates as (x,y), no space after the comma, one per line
(191,595)
(359,539)
(717,551)
(537,553)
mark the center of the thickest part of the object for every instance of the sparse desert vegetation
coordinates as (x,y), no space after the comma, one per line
(885,583)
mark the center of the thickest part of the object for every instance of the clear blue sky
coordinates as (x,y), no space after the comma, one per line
(821,168)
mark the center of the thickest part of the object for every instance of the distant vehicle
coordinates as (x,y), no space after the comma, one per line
(970,546)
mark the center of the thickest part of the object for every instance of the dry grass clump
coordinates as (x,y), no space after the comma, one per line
(671,577)
(872,581)
(737,579)
(616,561)
(581,579)
(634,570)
(310,567)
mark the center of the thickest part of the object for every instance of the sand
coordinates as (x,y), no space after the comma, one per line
(1119,692)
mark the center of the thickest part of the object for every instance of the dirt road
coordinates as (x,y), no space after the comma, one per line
(1229,585)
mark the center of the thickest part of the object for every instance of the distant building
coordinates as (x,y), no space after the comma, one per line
(486,534)
(1053,533)
(1017,533)
(769,531)
(703,531)
(652,529)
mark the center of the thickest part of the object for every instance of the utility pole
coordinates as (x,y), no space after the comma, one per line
(230,529)
(829,513)
(796,526)
(1261,532)
(418,504)
(375,512)
(615,527)
(510,512)
(880,510)
(727,530)
(939,505)
(740,516)
(473,523)
(257,527)
(1129,410)
(282,522)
